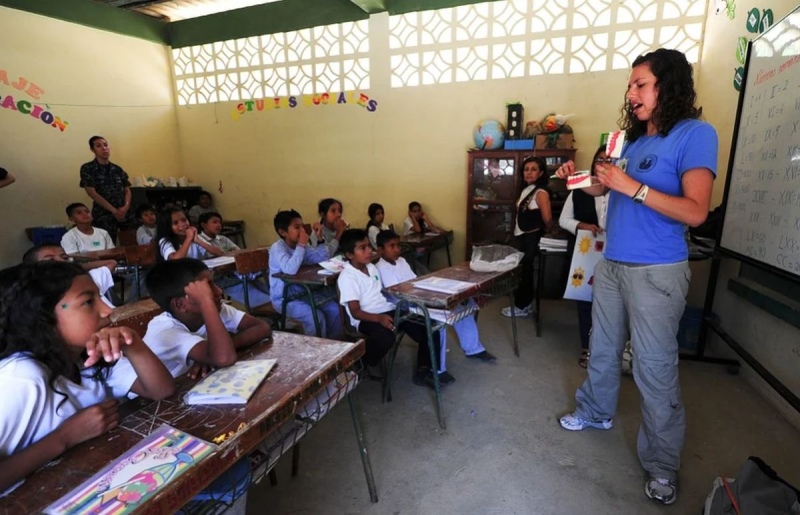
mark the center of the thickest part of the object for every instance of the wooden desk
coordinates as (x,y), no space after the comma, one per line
(136,315)
(117,254)
(305,366)
(487,284)
(307,280)
(430,242)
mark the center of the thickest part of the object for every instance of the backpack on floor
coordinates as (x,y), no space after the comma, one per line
(756,490)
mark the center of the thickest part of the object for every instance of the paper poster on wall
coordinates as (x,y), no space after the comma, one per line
(17,100)
(352,98)
(588,252)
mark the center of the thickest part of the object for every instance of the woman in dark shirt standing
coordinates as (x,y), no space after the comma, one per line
(108,186)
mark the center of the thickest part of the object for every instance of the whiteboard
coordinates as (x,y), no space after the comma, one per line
(762,193)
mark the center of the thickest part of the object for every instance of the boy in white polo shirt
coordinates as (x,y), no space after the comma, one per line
(83,237)
(360,292)
(394,269)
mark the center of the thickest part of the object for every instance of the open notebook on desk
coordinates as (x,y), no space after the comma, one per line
(442,285)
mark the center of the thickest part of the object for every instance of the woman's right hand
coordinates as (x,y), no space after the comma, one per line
(386,321)
(566,169)
(89,423)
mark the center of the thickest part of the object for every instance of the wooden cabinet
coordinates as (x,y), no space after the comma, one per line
(185,197)
(493,187)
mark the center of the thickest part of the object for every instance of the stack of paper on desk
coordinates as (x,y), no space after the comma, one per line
(553,244)
(219,261)
(231,385)
(442,285)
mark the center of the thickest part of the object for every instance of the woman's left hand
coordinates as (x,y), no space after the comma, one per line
(613,178)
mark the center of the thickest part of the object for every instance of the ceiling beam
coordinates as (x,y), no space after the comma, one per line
(96,15)
(262,19)
(371,6)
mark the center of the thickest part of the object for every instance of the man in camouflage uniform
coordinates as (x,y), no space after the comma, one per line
(108,186)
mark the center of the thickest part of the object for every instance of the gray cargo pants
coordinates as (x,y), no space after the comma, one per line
(646,302)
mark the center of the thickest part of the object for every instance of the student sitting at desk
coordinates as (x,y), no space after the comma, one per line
(375,224)
(372,314)
(83,237)
(204,205)
(100,271)
(177,239)
(394,269)
(55,366)
(211,232)
(331,225)
(146,214)
(195,325)
(417,222)
(286,256)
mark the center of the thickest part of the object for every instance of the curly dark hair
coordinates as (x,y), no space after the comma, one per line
(164,230)
(676,94)
(28,298)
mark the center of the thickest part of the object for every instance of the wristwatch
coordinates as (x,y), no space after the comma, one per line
(641,194)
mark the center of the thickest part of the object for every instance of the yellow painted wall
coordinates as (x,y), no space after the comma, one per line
(100,83)
(413,147)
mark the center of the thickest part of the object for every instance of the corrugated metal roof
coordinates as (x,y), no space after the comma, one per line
(174,10)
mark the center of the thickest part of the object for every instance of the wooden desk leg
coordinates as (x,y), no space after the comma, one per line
(447,249)
(138,285)
(295,459)
(362,448)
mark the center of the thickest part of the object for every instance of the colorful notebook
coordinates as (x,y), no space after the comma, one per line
(126,483)
(231,385)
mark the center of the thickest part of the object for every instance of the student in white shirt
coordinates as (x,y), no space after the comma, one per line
(83,237)
(394,269)
(146,214)
(376,223)
(196,326)
(369,311)
(56,353)
(211,232)
(417,221)
(100,271)
(177,239)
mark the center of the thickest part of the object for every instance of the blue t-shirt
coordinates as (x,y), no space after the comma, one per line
(638,234)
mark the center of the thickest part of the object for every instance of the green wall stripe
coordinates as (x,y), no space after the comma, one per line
(263,19)
(408,6)
(96,15)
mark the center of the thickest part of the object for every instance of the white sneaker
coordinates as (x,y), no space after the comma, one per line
(524,312)
(662,490)
(570,422)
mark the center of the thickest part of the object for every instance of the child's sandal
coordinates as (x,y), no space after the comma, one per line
(584,361)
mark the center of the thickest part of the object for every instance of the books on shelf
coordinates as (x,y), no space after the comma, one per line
(231,385)
(553,244)
(126,483)
(219,261)
(442,285)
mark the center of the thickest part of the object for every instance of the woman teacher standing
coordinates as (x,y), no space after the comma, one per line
(641,285)
(108,186)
